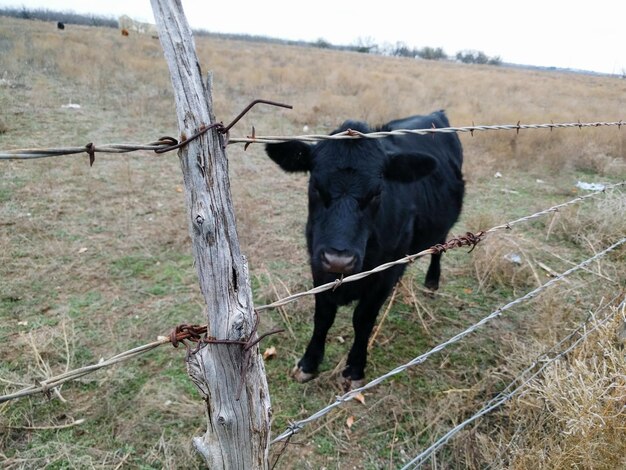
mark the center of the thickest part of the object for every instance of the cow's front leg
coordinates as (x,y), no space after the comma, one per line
(325,311)
(363,322)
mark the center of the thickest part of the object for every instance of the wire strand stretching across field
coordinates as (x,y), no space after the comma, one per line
(511,390)
(48,384)
(298,425)
(28,154)
(162,145)
(45,386)
(410,258)
(169,143)
(351,134)
(185,332)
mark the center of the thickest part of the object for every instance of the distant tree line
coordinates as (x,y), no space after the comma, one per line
(363,45)
(401,49)
(43,14)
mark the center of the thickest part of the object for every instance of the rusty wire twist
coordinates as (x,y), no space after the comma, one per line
(469,239)
(198,334)
(185,332)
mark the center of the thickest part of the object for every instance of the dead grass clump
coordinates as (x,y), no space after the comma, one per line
(600,163)
(502,260)
(573,416)
(594,225)
(47,349)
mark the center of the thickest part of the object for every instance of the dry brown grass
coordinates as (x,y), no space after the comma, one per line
(573,416)
(504,260)
(593,228)
(135,279)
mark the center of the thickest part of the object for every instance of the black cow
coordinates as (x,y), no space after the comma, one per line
(372,201)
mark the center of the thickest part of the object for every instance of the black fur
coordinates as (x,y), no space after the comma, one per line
(372,201)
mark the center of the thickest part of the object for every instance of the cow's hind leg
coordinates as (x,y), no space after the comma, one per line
(434,270)
(433,273)
(325,311)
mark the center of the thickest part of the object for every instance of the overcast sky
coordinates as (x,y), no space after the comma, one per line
(581,35)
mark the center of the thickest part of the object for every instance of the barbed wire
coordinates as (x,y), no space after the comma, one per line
(167,143)
(511,390)
(26,154)
(298,425)
(162,145)
(411,258)
(46,385)
(179,335)
(52,382)
(352,134)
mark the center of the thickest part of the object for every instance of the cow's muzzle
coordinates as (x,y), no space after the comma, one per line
(338,262)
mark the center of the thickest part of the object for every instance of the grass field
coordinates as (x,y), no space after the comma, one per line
(95,261)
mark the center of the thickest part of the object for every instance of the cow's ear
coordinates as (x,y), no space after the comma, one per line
(291,156)
(410,167)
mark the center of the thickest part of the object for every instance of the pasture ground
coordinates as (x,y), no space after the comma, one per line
(95,261)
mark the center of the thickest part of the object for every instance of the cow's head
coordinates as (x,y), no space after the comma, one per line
(348,183)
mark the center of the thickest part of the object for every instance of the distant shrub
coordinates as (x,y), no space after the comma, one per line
(432,53)
(322,44)
(477,57)
(365,45)
(400,49)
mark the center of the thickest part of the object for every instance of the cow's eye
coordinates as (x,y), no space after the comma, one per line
(372,199)
(320,193)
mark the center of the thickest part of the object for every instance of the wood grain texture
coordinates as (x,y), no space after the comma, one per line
(238,430)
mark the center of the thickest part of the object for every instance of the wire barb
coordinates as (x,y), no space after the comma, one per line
(90,149)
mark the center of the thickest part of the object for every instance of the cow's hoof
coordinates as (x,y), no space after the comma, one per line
(431,290)
(347,384)
(300,376)
(354,384)
(430,294)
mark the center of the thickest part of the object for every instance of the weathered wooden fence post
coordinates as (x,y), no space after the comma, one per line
(238,429)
